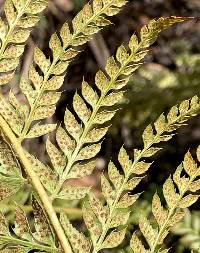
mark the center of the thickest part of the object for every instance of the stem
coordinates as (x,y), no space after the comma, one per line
(36,184)
(13,240)
(11,29)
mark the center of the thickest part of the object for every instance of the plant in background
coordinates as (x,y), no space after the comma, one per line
(79,139)
(189,231)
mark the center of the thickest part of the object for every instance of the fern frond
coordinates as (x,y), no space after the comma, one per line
(11,179)
(22,236)
(40,89)
(14,31)
(99,218)
(115,189)
(81,140)
(49,177)
(175,200)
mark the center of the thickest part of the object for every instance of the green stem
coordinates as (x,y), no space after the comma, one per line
(36,184)
(14,241)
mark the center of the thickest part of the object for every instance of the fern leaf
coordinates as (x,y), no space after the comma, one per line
(20,16)
(99,210)
(81,170)
(92,223)
(78,240)
(21,226)
(71,192)
(22,239)
(38,130)
(57,159)
(158,211)
(11,115)
(114,239)
(43,230)
(11,179)
(148,231)
(136,245)
(47,176)
(176,201)
(115,177)
(80,127)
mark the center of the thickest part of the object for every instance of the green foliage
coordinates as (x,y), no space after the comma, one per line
(189,231)
(79,138)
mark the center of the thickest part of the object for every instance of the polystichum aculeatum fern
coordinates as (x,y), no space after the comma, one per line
(79,139)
